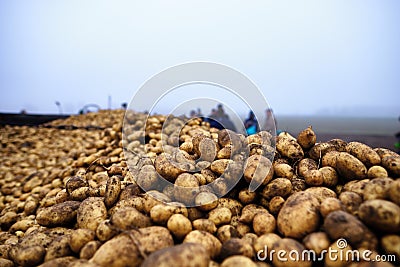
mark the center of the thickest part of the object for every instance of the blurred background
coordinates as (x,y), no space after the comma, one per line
(332,64)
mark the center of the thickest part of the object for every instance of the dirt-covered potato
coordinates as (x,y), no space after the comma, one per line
(288,245)
(186,188)
(289,147)
(258,168)
(377,172)
(204,225)
(246,196)
(27,256)
(89,249)
(394,192)
(319,150)
(210,242)
(152,238)
(59,214)
(238,260)
(392,164)
(105,231)
(161,213)
(91,213)
(220,215)
(317,241)
(185,255)
(119,251)
(299,215)
(321,193)
(147,178)
(226,232)
(340,224)
(339,144)
(307,138)
(129,218)
(313,177)
(364,153)
(206,201)
(113,189)
(329,176)
(79,238)
(330,159)
(168,169)
(58,248)
(380,214)
(306,165)
(263,223)
(236,246)
(179,225)
(350,167)
(341,249)
(283,170)
(249,211)
(351,201)
(377,188)
(265,241)
(277,187)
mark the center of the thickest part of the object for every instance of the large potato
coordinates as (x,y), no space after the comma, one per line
(349,167)
(59,214)
(129,218)
(277,187)
(117,252)
(380,214)
(299,215)
(91,213)
(152,238)
(210,242)
(364,153)
(288,147)
(184,255)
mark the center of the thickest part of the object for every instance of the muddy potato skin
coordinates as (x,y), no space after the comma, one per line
(184,255)
(210,242)
(238,260)
(394,192)
(91,213)
(79,238)
(377,188)
(121,245)
(129,218)
(59,214)
(350,167)
(299,215)
(289,148)
(152,238)
(376,172)
(277,187)
(259,168)
(28,256)
(380,214)
(364,153)
(307,138)
(288,244)
(392,164)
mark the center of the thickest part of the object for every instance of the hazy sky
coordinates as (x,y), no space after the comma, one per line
(307,57)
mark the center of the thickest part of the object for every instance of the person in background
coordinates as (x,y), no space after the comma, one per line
(270,121)
(251,124)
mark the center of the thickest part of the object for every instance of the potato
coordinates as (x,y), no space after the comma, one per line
(79,238)
(6,263)
(225,152)
(219,166)
(329,176)
(263,223)
(91,213)
(259,169)
(329,205)
(147,178)
(220,215)
(89,249)
(351,201)
(377,188)
(306,165)
(249,211)
(356,186)
(317,241)
(277,187)
(364,153)
(330,159)
(152,238)
(313,178)
(186,188)
(226,232)
(59,214)
(74,183)
(210,242)
(340,224)
(207,149)
(320,149)
(21,225)
(275,204)
(58,248)
(80,194)
(298,185)
(179,225)
(283,170)
(168,169)
(236,246)
(288,147)
(206,201)
(204,225)
(394,192)
(27,256)
(129,218)
(377,172)
(339,144)
(290,248)
(391,245)
(335,260)
(119,251)
(238,260)
(185,255)
(321,193)
(349,167)
(299,215)
(265,242)
(307,138)
(161,213)
(230,203)
(380,214)
(152,198)
(246,197)
(392,164)
(105,231)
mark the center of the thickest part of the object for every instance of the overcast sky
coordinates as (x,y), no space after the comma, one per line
(307,57)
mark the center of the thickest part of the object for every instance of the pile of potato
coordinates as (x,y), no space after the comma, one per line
(164,191)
